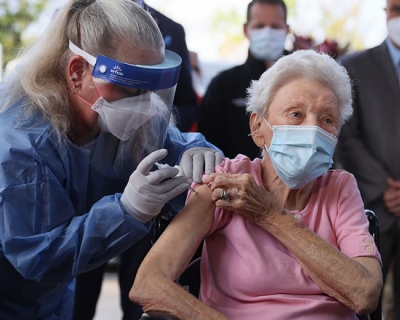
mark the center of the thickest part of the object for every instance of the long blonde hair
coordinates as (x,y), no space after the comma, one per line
(97,27)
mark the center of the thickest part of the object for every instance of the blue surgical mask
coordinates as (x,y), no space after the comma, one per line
(267,44)
(300,154)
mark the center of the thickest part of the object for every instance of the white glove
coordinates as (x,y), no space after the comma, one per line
(198,160)
(146,193)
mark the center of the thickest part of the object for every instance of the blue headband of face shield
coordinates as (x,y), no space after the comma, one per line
(148,77)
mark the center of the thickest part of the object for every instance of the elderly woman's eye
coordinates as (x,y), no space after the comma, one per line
(296,114)
(328,121)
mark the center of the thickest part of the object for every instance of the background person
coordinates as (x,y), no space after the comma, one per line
(222,114)
(81,126)
(285,238)
(185,101)
(369,146)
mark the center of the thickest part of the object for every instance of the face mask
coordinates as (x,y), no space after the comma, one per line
(394,30)
(300,154)
(267,44)
(123,117)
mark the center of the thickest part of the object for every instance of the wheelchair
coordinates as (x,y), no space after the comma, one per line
(190,279)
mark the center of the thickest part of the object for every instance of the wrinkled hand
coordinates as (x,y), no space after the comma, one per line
(391,197)
(197,161)
(245,196)
(147,192)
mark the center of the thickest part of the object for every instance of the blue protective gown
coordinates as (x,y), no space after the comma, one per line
(58,215)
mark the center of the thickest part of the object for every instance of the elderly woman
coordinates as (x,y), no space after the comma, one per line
(285,237)
(82,122)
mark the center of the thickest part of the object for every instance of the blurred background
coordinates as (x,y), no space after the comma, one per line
(214,29)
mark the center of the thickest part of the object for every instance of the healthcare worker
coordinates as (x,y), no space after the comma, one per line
(83,120)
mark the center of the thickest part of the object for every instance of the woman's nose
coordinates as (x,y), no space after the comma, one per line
(311,121)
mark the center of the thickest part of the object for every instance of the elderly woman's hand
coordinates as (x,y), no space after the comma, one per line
(240,193)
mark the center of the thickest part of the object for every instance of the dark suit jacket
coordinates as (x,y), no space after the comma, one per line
(369,144)
(185,96)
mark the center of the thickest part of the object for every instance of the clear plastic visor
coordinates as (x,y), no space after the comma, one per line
(148,108)
(148,77)
(148,89)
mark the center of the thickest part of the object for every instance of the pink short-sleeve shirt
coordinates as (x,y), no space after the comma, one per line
(247,274)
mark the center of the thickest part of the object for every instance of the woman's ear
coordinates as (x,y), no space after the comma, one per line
(76,68)
(255,129)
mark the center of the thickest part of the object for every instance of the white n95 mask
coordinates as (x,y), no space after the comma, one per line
(394,30)
(267,44)
(123,117)
(300,154)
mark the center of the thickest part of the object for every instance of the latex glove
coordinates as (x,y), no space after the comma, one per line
(147,192)
(197,161)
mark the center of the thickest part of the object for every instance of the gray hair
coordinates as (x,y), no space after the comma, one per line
(302,64)
(97,27)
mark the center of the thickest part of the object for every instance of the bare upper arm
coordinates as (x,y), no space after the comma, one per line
(176,246)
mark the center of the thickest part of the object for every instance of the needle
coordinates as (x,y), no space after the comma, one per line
(160,166)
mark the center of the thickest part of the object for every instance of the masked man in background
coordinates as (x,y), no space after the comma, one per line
(223,119)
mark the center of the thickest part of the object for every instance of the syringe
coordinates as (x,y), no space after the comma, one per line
(161,165)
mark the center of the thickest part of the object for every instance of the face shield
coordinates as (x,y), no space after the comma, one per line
(135,125)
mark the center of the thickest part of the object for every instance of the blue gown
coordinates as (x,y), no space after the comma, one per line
(60,213)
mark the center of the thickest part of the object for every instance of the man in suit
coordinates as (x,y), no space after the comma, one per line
(369,144)
(222,116)
(185,101)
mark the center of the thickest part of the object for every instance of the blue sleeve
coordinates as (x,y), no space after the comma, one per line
(178,142)
(44,241)
(41,234)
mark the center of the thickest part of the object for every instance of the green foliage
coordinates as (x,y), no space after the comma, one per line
(344,27)
(15,17)
(231,26)
(291,7)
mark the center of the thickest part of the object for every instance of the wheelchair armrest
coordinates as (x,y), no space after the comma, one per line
(157,315)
